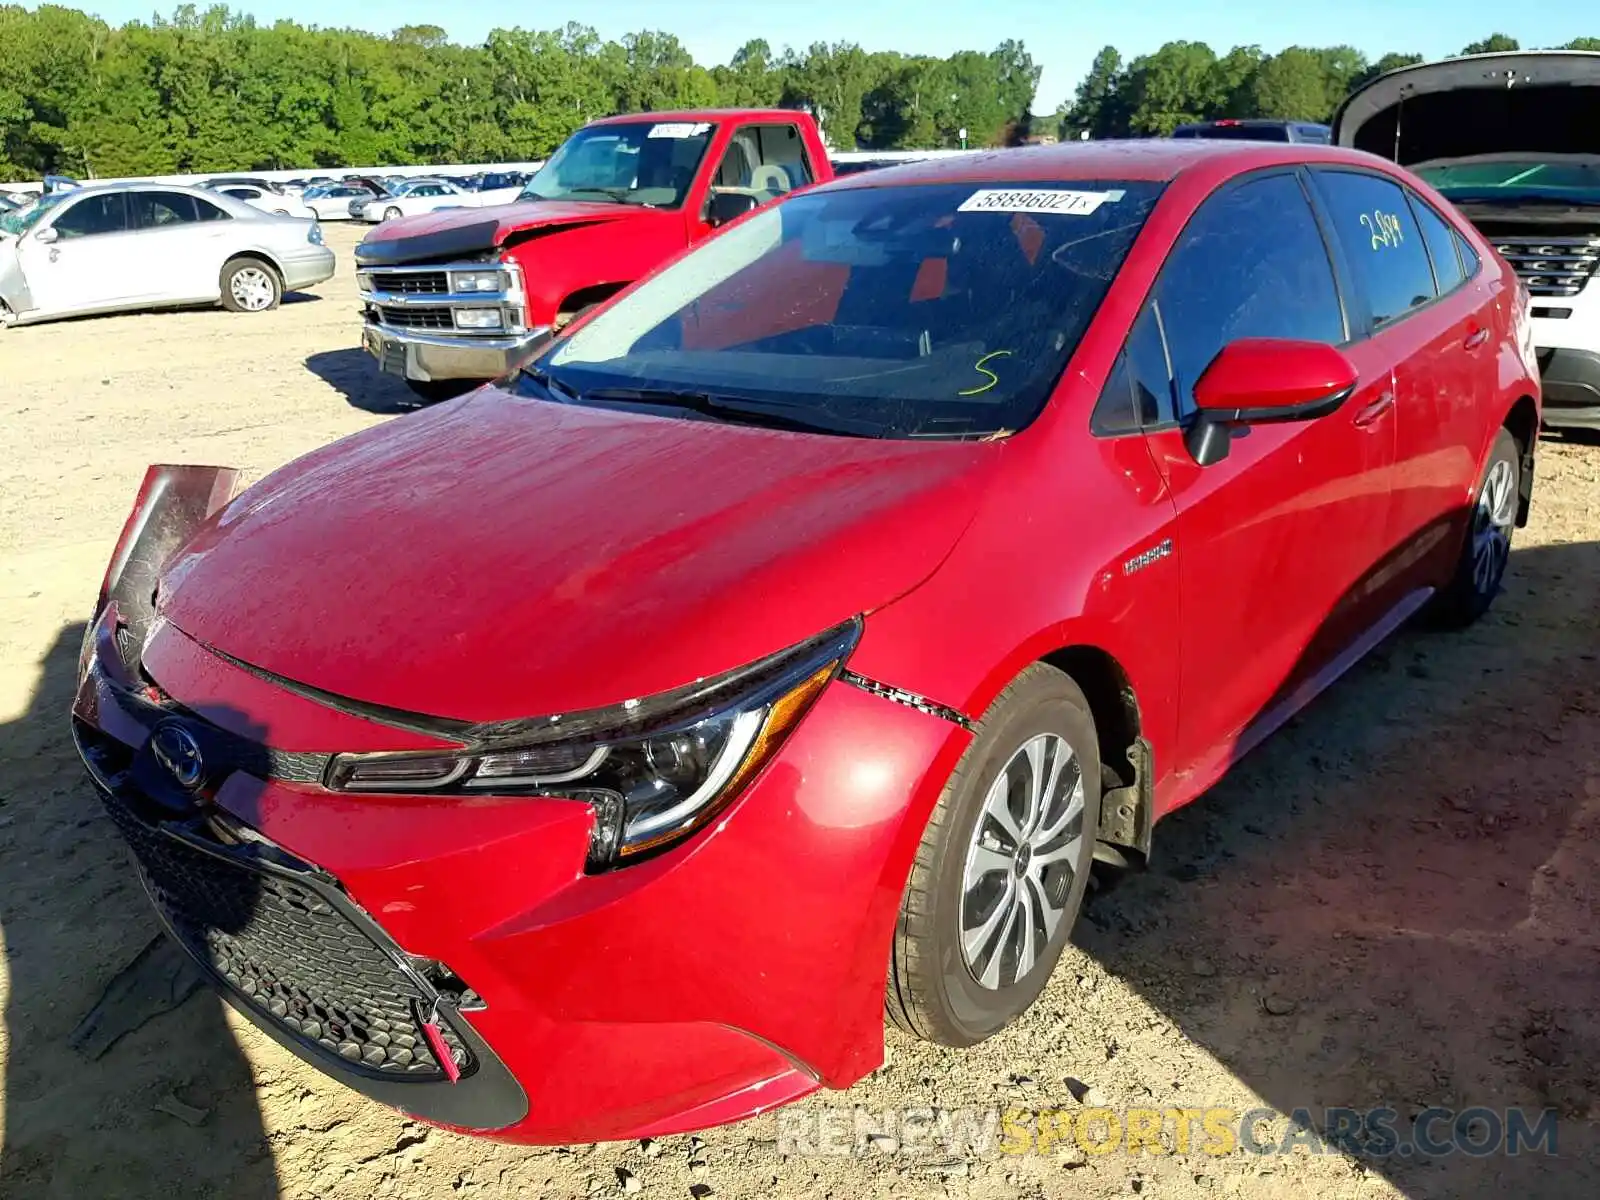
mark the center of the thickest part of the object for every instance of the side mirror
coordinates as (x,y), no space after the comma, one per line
(729,206)
(47,235)
(1257,381)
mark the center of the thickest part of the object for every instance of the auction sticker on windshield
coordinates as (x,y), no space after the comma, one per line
(1037,200)
(679,129)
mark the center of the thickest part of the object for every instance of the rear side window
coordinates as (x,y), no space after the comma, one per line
(1387,254)
(154,210)
(1250,263)
(1441,243)
(93,215)
(1470,262)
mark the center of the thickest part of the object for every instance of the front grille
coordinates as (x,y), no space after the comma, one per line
(413,283)
(1552,265)
(293,951)
(415,318)
(224,752)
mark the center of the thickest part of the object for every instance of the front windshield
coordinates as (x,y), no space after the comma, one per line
(1575,181)
(25,218)
(931,310)
(651,163)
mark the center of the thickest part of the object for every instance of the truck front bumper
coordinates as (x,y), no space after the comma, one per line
(428,357)
(1571,381)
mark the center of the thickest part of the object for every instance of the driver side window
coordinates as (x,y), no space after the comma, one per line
(1251,263)
(106,213)
(763,161)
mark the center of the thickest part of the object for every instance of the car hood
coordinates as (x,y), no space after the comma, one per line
(1540,102)
(501,557)
(448,232)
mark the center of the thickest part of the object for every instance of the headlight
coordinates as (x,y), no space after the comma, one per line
(479,318)
(653,770)
(475,281)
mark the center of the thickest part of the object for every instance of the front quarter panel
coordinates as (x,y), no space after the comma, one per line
(14,292)
(1074,545)
(561,261)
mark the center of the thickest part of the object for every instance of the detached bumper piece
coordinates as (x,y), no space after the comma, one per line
(284,944)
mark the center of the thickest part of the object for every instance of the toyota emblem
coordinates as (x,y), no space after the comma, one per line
(176,749)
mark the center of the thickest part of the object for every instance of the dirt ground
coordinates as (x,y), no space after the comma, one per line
(1396,902)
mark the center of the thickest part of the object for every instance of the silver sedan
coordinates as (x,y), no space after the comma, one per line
(114,247)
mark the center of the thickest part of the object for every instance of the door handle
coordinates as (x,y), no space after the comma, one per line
(1475,339)
(1374,411)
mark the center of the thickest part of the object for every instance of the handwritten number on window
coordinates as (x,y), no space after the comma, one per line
(1384,229)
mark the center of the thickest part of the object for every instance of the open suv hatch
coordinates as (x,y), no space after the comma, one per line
(1511,140)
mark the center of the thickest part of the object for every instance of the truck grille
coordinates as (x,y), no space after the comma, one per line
(413,283)
(415,318)
(293,951)
(1552,266)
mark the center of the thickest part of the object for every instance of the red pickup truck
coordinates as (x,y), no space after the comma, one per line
(458,296)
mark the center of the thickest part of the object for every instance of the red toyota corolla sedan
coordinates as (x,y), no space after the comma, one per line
(602,753)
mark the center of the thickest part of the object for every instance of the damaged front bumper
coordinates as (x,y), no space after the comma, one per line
(451,956)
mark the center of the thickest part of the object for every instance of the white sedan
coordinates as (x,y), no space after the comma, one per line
(114,247)
(410,198)
(331,201)
(268,202)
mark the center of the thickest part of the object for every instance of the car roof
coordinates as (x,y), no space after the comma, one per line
(144,185)
(697,115)
(1157,160)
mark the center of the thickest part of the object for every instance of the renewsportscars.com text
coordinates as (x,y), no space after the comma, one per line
(1215,1132)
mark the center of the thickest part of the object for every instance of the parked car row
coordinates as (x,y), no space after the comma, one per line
(809,557)
(115,247)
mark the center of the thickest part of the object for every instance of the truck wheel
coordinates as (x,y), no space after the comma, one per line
(250,285)
(1002,869)
(436,390)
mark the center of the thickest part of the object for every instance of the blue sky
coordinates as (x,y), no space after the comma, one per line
(1063,36)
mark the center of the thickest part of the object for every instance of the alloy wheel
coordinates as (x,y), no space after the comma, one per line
(252,289)
(1492,521)
(1020,864)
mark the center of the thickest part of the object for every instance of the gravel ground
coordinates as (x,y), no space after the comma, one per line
(1391,904)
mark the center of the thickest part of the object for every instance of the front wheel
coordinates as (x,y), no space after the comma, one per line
(1487,548)
(391,214)
(250,285)
(1002,869)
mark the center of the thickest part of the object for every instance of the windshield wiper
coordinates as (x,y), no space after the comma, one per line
(742,410)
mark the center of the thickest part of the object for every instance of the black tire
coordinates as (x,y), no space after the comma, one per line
(436,390)
(1473,587)
(251,285)
(392,214)
(932,991)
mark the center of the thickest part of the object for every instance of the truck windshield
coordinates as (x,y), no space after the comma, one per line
(934,310)
(1513,180)
(652,163)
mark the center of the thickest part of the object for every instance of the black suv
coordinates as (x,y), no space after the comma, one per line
(1258,130)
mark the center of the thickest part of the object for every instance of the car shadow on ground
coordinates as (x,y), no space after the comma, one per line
(354,375)
(1395,902)
(169,1109)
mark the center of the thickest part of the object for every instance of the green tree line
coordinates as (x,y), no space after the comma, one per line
(1188,81)
(209,90)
